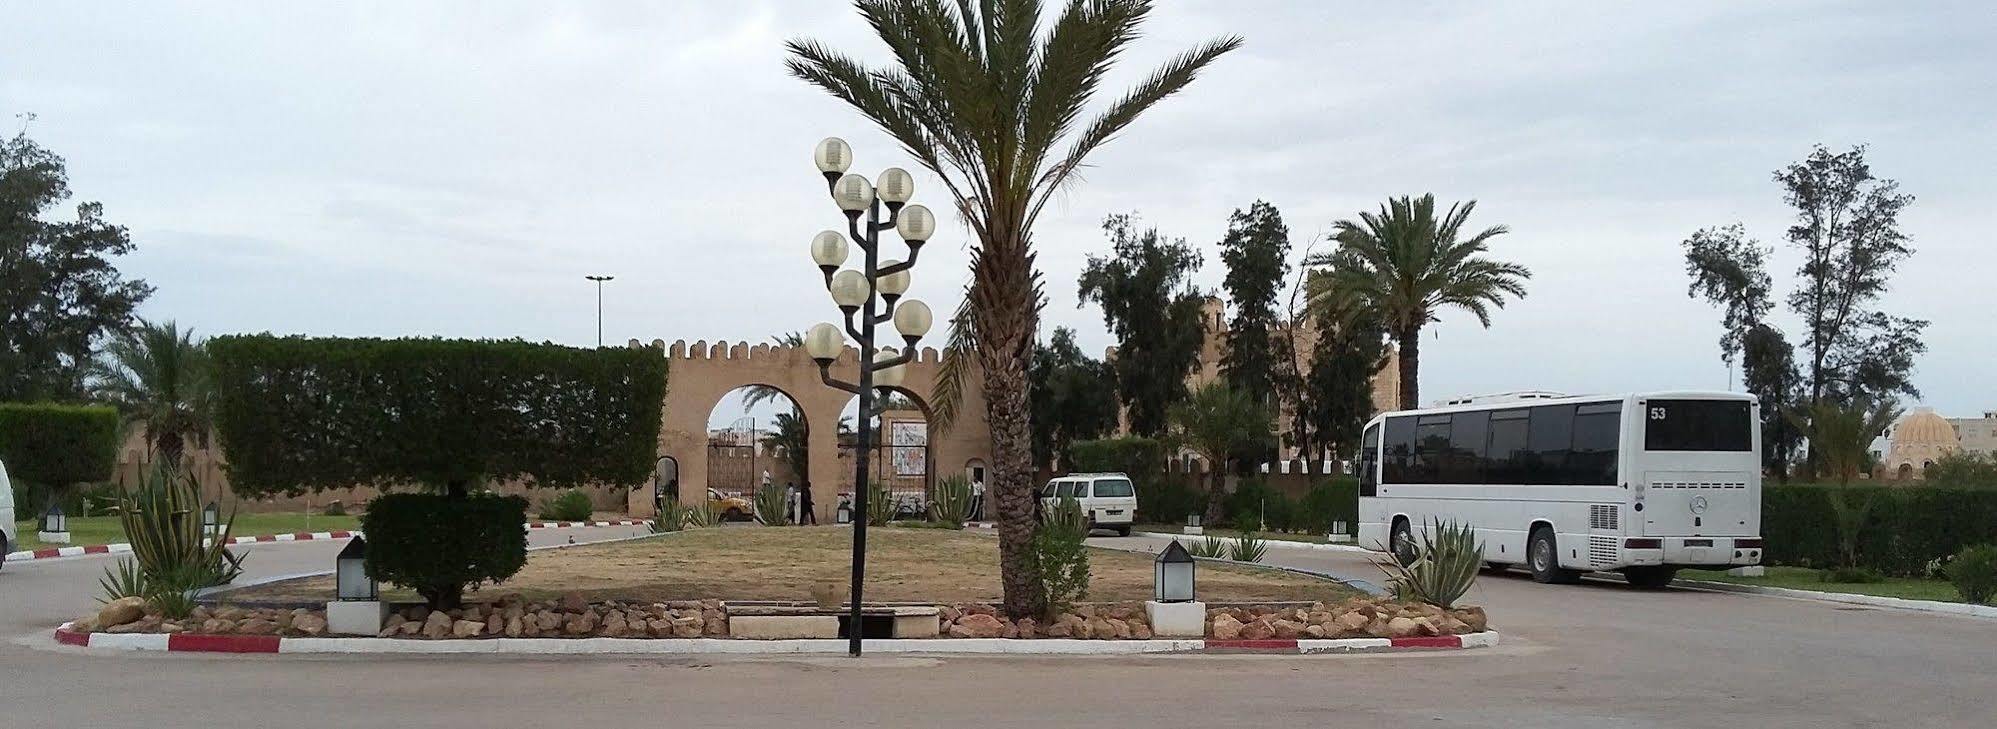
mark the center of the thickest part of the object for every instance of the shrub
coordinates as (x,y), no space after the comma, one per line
(1331,500)
(567,505)
(952,501)
(1446,561)
(1137,457)
(880,504)
(1059,558)
(1212,547)
(701,515)
(772,505)
(1849,575)
(49,447)
(162,520)
(1964,469)
(1167,500)
(122,580)
(671,517)
(1974,572)
(440,545)
(1247,508)
(1907,529)
(1248,548)
(335,508)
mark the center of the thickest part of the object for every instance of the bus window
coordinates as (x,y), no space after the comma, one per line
(1464,463)
(1698,425)
(1597,435)
(1431,442)
(1505,450)
(1399,445)
(1549,437)
(1369,462)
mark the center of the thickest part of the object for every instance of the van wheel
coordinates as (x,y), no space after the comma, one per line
(1543,558)
(1402,543)
(1123,531)
(1650,578)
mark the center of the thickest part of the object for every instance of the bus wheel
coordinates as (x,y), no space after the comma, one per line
(1650,578)
(1402,542)
(1543,558)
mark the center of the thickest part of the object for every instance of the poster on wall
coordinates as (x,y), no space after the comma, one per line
(910,440)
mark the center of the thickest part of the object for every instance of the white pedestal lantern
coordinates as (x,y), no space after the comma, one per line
(211,519)
(350,577)
(54,528)
(844,514)
(1172,578)
(1174,612)
(1193,526)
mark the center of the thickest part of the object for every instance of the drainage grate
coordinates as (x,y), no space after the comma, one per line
(1605,517)
(1602,551)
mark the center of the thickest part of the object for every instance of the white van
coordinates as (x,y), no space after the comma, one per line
(7,536)
(1108,499)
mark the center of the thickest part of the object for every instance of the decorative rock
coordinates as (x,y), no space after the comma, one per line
(513,612)
(1288,629)
(256,626)
(494,624)
(1226,627)
(715,624)
(121,611)
(1402,627)
(977,625)
(1140,630)
(1426,625)
(410,627)
(948,614)
(613,626)
(1059,629)
(1314,631)
(580,624)
(1258,630)
(309,624)
(1354,620)
(688,627)
(438,625)
(659,627)
(418,613)
(228,612)
(1027,627)
(1473,619)
(573,603)
(467,628)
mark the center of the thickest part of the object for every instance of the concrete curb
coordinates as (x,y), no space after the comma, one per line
(1272,542)
(121,548)
(192,643)
(1897,603)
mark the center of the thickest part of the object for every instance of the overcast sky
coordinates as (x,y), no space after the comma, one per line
(455,169)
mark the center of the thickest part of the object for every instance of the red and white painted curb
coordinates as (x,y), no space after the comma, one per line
(189,642)
(54,552)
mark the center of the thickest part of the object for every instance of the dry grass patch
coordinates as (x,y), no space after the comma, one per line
(754,563)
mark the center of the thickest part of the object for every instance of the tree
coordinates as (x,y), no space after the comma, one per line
(48,447)
(789,435)
(59,291)
(982,98)
(1840,435)
(157,376)
(1409,265)
(1073,398)
(1728,269)
(1148,301)
(1848,228)
(1256,252)
(754,395)
(1769,371)
(1350,348)
(1217,421)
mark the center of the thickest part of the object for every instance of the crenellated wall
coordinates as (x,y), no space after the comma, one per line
(701,373)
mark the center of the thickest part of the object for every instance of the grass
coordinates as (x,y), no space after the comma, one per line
(761,563)
(1232,533)
(1803,578)
(86,530)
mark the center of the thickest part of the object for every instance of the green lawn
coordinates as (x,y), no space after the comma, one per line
(1230,533)
(106,529)
(1800,578)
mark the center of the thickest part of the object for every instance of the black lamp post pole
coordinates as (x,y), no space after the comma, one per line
(599,306)
(864,438)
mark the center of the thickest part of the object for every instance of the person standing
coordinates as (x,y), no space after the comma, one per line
(978,500)
(805,515)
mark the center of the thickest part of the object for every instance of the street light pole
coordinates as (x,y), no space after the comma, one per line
(855,292)
(599,306)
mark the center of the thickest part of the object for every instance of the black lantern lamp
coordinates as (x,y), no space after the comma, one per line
(54,521)
(1173,574)
(350,572)
(211,519)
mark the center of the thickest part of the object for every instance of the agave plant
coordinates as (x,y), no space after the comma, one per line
(773,505)
(1444,567)
(162,519)
(1212,547)
(1248,548)
(880,504)
(671,517)
(122,580)
(952,501)
(700,516)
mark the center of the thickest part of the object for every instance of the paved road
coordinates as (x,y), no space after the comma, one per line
(1591,655)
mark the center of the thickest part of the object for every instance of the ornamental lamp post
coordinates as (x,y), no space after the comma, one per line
(211,519)
(867,295)
(351,580)
(54,527)
(1172,574)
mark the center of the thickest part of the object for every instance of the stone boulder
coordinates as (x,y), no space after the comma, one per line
(1402,627)
(1473,619)
(467,628)
(978,625)
(257,626)
(1288,629)
(120,611)
(1226,627)
(437,625)
(573,603)
(309,624)
(1258,630)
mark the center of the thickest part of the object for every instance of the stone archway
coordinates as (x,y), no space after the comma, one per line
(700,374)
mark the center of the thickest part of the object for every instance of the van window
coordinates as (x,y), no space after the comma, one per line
(1114,488)
(1400,450)
(1369,461)
(1064,490)
(1047,492)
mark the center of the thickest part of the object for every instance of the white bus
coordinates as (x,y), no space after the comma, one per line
(1642,484)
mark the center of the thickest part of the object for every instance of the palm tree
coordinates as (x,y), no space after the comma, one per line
(1408,265)
(1840,437)
(758,394)
(157,376)
(980,96)
(1219,420)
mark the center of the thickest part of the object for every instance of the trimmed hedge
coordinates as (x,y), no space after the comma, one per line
(439,545)
(298,414)
(51,445)
(1908,527)
(1133,455)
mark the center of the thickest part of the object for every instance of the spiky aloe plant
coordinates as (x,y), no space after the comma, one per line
(700,516)
(1248,548)
(880,504)
(952,501)
(122,580)
(162,520)
(1444,567)
(773,505)
(1212,547)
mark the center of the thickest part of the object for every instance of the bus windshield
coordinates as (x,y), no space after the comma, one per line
(1698,425)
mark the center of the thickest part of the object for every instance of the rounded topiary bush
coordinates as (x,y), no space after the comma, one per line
(440,545)
(570,505)
(1974,573)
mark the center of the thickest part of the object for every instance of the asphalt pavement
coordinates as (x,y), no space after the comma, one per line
(1593,655)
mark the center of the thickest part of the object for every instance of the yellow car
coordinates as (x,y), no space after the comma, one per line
(730,508)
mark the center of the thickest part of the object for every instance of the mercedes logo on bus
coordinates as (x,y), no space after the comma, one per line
(1699,504)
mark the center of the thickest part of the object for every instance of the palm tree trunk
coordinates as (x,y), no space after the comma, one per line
(1409,340)
(1216,494)
(1005,309)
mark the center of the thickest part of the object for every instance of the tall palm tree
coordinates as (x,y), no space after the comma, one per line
(1409,265)
(1218,421)
(758,394)
(980,96)
(157,376)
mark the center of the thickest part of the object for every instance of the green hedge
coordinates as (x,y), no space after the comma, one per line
(297,414)
(439,545)
(1907,528)
(51,446)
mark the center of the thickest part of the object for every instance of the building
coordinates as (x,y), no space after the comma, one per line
(1917,441)
(1977,435)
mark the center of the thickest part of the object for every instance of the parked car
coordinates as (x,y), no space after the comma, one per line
(7,536)
(730,508)
(1108,499)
